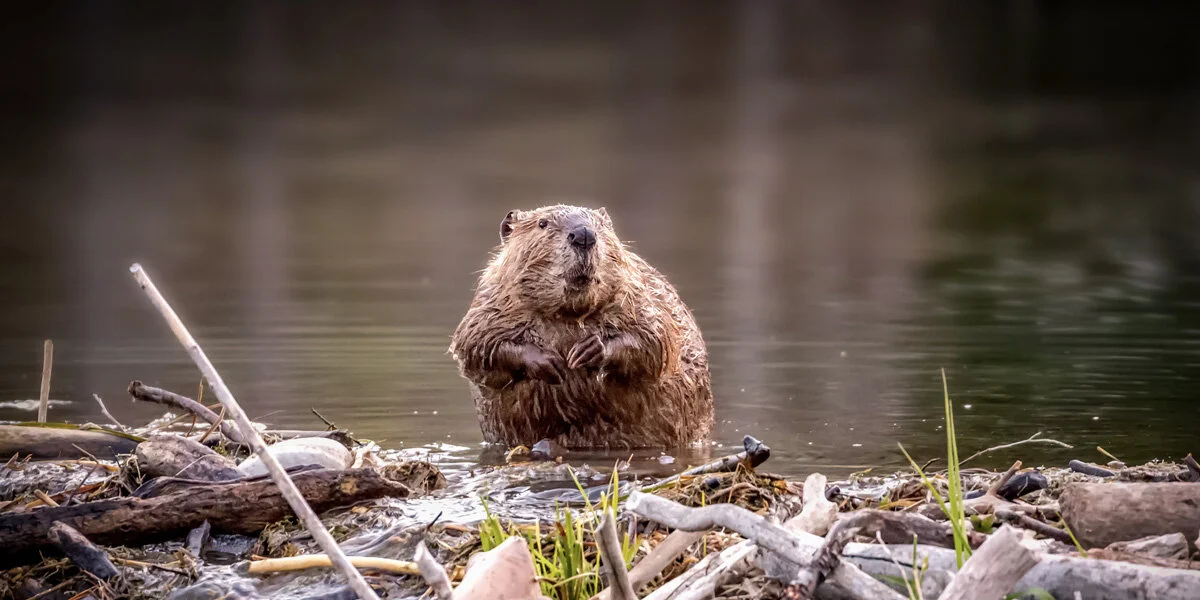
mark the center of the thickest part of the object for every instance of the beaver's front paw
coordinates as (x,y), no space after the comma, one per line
(586,354)
(543,365)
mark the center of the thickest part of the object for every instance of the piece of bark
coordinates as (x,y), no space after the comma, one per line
(1102,513)
(145,393)
(658,559)
(177,456)
(800,548)
(1060,575)
(82,552)
(994,569)
(243,507)
(818,513)
(46,443)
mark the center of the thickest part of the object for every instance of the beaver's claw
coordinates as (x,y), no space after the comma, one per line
(587,353)
(546,366)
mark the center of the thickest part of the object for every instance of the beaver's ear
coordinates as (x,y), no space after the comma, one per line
(604,216)
(506,225)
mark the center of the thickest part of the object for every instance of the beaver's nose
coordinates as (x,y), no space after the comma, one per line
(581,237)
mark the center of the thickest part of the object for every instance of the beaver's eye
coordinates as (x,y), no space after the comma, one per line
(543,223)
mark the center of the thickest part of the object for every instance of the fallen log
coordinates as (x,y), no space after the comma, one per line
(992,572)
(177,456)
(1100,514)
(1062,576)
(243,507)
(63,441)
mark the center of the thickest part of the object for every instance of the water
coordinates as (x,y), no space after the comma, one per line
(848,200)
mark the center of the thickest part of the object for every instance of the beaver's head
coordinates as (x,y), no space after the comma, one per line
(559,259)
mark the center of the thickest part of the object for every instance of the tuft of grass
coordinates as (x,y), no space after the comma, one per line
(567,563)
(952,506)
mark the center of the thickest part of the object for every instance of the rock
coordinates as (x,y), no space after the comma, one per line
(505,571)
(1021,484)
(326,453)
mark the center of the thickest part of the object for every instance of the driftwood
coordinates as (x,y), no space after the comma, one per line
(658,559)
(1089,469)
(434,574)
(44,391)
(818,513)
(798,548)
(1026,522)
(145,393)
(313,561)
(340,435)
(62,443)
(247,433)
(177,456)
(1062,576)
(698,578)
(83,553)
(993,570)
(236,508)
(614,560)
(1100,514)
(1171,545)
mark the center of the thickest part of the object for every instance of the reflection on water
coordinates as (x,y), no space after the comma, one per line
(848,200)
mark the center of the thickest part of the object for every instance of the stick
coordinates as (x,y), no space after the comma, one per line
(145,393)
(994,490)
(610,551)
(45,498)
(213,427)
(798,548)
(433,573)
(828,557)
(286,487)
(1033,439)
(312,561)
(47,363)
(688,582)
(1026,522)
(83,553)
(705,586)
(658,559)
(104,411)
(993,570)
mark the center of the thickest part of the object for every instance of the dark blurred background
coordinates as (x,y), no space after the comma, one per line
(850,196)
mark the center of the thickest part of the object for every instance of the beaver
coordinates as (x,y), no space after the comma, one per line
(573,338)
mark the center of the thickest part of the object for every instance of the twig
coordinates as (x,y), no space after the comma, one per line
(107,415)
(433,573)
(311,561)
(146,393)
(45,498)
(994,490)
(1026,522)
(323,419)
(658,559)
(1033,439)
(48,591)
(1106,453)
(610,551)
(125,562)
(44,395)
(287,487)
(213,427)
(81,484)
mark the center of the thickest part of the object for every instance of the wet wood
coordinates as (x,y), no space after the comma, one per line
(82,552)
(614,560)
(244,507)
(145,393)
(994,569)
(47,443)
(44,391)
(1102,513)
(177,456)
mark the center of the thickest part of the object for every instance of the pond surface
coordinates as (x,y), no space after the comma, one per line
(848,202)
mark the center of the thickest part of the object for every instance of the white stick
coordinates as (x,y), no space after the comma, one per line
(44,396)
(286,487)
(610,551)
(994,569)
(434,573)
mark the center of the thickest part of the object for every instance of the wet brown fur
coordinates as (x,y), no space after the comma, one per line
(652,388)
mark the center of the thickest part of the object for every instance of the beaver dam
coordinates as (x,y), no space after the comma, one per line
(203,503)
(178,508)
